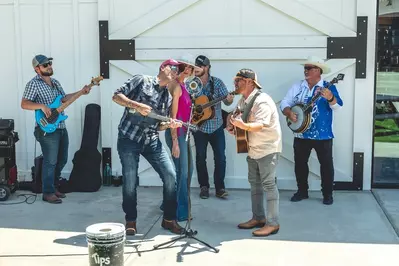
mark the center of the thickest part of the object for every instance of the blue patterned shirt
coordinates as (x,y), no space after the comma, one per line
(38,91)
(143,89)
(322,112)
(211,125)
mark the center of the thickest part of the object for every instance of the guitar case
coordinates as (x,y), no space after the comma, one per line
(86,171)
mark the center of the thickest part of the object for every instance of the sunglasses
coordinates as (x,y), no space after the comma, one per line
(47,64)
(309,67)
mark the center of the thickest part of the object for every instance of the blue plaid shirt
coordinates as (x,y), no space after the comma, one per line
(143,89)
(220,89)
(38,91)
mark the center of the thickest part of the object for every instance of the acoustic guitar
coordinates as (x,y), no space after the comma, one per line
(241,135)
(204,108)
(50,124)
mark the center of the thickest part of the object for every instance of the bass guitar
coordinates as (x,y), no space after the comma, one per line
(156,116)
(50,124)
(204,108)
(241,135)
(303,111)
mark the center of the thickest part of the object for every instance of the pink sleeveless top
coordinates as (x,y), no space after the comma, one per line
(183,111)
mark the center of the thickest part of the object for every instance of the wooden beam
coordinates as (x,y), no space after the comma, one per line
(234,54)
(151,19)
(231,42)
(311,17)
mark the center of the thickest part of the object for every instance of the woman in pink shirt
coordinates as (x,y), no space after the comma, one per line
(176,139)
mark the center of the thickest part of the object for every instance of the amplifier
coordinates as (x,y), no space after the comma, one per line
(8,138)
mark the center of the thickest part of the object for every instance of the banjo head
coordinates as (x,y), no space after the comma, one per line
(301,122)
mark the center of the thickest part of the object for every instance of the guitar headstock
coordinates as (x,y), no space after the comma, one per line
(96,81)
(339,77)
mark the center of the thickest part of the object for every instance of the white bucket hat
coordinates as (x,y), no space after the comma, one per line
(316,61)
(188,59)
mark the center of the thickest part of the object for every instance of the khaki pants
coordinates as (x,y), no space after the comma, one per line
(262,178)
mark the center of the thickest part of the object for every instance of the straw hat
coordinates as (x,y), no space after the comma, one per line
(188,59)
(316,61)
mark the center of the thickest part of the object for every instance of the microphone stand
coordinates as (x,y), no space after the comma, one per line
(189,233)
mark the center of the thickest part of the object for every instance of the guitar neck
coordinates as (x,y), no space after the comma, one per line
(158,117)
(317,96)
(71,100)
(215,101)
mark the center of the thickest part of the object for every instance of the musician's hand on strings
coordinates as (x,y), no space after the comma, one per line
(230,98)
(292,116)
(326,93)
(237,121)
(143,109)
(46,110)
(86,89)
(174,124)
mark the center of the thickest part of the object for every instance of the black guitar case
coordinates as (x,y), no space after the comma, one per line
(86,171)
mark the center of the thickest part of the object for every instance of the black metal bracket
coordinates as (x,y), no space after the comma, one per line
(113,49)
(357,183)
(351,47)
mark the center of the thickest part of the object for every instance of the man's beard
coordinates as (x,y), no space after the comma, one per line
(46,74)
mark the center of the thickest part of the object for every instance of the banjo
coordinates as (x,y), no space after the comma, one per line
(303,111)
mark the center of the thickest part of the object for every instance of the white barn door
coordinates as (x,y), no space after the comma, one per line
(270,36)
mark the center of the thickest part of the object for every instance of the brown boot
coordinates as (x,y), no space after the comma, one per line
(51,198)
(252,224)
(59,194)
(172,226)
(266,230)
(131,229)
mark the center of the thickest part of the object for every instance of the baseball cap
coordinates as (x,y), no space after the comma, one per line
(173,62)
(202,60)
(249,74)
(40,59)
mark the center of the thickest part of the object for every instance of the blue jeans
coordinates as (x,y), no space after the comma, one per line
(183,176)
(55,156)
(218,144)
(154,152)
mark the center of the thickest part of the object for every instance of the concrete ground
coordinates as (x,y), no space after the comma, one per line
(352,231)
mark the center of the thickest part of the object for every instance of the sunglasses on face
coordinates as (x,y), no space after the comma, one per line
(47,64)
(174,69)
(309,67)
(237,80)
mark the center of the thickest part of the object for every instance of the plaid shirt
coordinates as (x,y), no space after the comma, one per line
(143,89)
(38,91)
(211,125)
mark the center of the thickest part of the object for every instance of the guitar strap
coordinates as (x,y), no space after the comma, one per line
(248,107)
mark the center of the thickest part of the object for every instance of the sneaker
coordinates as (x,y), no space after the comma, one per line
(204,194)
(221,193)
(298,196)
(328,200)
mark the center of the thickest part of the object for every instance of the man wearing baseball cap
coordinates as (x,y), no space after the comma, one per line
(260,119)
(138,135)
(40,92)
(211,131)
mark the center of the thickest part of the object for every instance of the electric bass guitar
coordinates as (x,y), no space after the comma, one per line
(156,116)
(241,135)
(50,124)
(303,112)
(204,109)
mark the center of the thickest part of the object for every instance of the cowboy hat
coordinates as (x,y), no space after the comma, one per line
(316,61)
(188,59)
